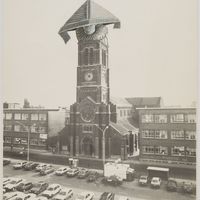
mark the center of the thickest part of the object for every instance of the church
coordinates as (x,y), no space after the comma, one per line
(99,125)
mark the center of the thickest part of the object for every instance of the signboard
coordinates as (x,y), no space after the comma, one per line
(43,136)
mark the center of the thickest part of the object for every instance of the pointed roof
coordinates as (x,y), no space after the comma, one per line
(90,13)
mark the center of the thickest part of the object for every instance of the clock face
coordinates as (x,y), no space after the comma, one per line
(88,76)
(87,113)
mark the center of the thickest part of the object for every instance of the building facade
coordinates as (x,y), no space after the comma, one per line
(40,123)
(93,117)
(167,134)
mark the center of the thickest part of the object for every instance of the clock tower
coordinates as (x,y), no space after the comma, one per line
(92,111)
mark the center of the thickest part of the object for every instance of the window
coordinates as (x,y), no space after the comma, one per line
(42,129)
(86,53)
(42,117)
(8,115)
(17,128)
(179,135)
(190,135)
(4,116)
(190,118)
(34,116)
(161,150)
(7,139)
(104,57)
(190,151)
(178,118)
(178,151)
(87,129)
(17,116)
(147,118)
(24,116)
(34,141)
(91,56)
(160,134)
(42,142)
(17,141)
(121,113)
(34,129)
(148,149)
(124,112)
(24,141)
(148,134)
(7,127)
(160,118)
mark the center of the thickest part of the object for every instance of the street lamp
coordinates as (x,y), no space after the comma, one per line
(103,142)
(28,129)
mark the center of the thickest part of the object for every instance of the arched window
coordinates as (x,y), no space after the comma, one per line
(86,56)
(91,56)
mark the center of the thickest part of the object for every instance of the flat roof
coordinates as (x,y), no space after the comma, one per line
(158,169)
(30,109)
(167,108)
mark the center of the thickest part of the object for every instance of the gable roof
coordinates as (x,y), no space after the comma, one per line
(90,13)
(120,102)
(145,101)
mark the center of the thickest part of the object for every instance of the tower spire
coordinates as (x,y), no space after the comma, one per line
(88,9)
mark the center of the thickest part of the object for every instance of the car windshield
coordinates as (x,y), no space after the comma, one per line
(80,196)
(63,193)
(143,178)
(37,185)
(13,182)
(50,189)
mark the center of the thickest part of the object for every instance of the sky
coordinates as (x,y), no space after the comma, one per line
(153,54)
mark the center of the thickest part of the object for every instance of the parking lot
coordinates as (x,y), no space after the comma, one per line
(128,189)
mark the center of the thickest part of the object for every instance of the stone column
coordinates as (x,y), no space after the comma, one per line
(96,147)
(109,147)
(77,145)
(71,145)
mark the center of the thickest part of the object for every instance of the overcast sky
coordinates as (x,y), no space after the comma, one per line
(153,54)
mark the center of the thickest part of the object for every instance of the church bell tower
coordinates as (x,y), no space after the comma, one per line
(91,112)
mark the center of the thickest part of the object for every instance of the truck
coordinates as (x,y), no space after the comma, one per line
(120,170)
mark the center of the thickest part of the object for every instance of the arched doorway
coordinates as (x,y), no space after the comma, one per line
(87,146)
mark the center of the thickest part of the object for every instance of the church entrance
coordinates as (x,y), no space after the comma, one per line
(87,146)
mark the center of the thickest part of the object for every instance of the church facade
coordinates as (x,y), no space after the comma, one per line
(95,127)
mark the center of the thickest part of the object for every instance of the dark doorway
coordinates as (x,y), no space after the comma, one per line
(87,146)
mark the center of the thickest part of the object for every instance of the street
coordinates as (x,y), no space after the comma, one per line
(129,189)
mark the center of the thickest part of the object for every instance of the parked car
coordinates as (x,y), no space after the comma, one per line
(113,180)
(6,162)
(188,187)
(51,191)
(30,166)
(143,180)
(24,186)
(13,184)
(172,185)
(72,172)
(123,198)
(93,175)
(85,196)
(39,187)
(156,182)
(107,196)
(41,198)
(9,195)
(64,194)
(19,165)
(46,170)
(41,167)
(23,196)
(83,173)
(7,180)
(62,171)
